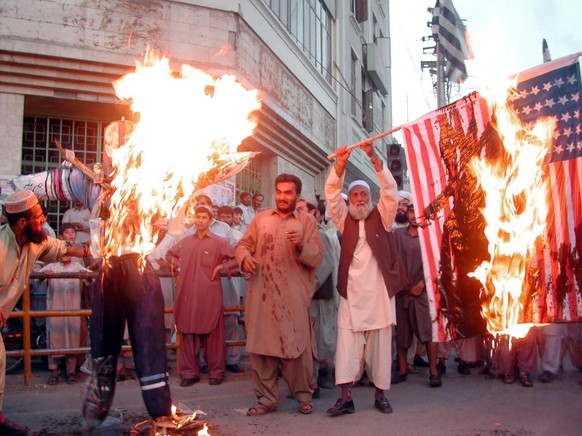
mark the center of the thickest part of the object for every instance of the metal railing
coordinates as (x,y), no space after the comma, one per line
(27,315)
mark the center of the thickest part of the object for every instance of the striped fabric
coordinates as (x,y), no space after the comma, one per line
(450,33)
(439,146)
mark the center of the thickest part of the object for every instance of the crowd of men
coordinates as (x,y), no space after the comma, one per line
(333,295)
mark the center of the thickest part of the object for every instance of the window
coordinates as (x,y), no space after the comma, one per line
(360,10)
(354,83)
(248,180)
(309,22)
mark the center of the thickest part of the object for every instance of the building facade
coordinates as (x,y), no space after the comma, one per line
(321,68)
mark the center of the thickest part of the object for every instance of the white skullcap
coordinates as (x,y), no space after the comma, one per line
(20,201)
(310,200)
(404,195)
(357,183)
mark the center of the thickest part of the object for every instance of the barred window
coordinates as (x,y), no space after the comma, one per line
(248,180)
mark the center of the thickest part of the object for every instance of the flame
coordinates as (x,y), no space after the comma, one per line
(204,431)
(516,188)
(187,120)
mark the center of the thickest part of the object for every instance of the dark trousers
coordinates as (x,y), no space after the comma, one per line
(124,294)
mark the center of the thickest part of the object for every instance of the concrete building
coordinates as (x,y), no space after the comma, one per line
(321,66)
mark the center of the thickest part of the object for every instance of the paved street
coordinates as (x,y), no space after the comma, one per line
(465,405)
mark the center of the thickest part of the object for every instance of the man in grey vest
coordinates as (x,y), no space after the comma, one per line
(369,276)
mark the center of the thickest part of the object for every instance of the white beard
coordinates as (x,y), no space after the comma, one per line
(362,212)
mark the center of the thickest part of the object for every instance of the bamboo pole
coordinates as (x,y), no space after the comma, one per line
(373,138)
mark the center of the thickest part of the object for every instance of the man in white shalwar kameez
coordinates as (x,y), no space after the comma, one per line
(366,311)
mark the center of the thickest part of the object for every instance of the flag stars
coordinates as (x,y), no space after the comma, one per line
(534,90)
(550,103)
(556,134)
(563,100)
(538,106)
(571,147)
(566,117)
(526,109)
(577,114)
(567,132)
(558,149)
(578,129)
(558,82)
(523,93)
(571,79)
(575,97)
(547,86)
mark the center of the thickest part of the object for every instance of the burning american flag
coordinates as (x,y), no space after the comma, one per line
(440,149)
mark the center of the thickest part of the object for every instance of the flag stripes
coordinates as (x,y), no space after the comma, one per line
(556,279)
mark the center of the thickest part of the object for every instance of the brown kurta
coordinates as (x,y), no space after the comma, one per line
(279,294)
(198,303)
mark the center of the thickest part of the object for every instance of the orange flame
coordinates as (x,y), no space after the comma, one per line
(515,187)
(187,120)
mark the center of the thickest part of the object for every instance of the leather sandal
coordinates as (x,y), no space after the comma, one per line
(53,380)
(306,408)
(260,409)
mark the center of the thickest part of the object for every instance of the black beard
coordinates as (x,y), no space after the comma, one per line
(33,236)
(401,218)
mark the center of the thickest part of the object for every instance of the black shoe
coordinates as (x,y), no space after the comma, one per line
(316,393)
(235,368)
(11,428)
(441,368)
(546,377)
(383,405)
(342,406)
(420,362)
(186,382)
(435,381)
(463,368)
(215,381)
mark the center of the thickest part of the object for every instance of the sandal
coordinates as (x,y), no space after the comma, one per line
(508,379)
(53,380)
(71,379)
(525,380)
(306,408)
(260,409)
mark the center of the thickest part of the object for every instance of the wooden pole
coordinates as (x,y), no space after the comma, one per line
(373,138)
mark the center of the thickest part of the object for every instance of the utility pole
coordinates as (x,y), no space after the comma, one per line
(436,68)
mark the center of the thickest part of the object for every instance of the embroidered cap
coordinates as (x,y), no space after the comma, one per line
(20,201)
(357,183)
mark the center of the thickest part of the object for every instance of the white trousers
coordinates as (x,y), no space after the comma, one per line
(369,351)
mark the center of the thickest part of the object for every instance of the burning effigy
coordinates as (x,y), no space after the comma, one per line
(184,136)
(500,184)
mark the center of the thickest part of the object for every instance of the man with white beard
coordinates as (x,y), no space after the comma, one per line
(369,276)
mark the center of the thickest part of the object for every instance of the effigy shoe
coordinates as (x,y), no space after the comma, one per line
(99,392)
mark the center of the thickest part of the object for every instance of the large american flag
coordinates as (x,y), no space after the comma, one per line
(439,146)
